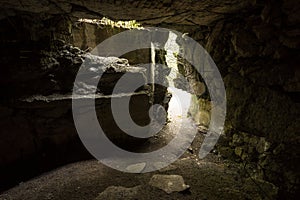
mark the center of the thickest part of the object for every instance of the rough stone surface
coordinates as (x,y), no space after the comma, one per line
(255,44)
(256,54)
(177,12)
(88,36)
(136,168)
(168,183)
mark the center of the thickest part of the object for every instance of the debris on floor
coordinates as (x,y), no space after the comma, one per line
(169,183)
(136,168)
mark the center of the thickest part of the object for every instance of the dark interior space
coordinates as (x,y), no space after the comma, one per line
(45,43)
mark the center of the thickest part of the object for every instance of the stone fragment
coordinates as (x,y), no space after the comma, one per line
(83,88)
(75,50)
(202,118)
(236,139)
(136,168)
(168,183)
(253,141)
(238,151)
(198,88)
(262,145)
(112,69)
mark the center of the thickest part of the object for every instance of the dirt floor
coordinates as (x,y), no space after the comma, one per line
(211,178)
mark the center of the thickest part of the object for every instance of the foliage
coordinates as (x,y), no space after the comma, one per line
(132,24)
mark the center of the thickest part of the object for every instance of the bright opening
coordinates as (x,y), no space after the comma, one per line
(180,102)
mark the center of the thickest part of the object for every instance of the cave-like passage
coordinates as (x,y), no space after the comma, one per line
(179,119)
(175,111)
(180,102)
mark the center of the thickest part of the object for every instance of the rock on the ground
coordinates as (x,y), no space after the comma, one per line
(168,183)
(136,168)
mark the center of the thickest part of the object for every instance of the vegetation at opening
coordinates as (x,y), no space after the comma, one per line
(131,24)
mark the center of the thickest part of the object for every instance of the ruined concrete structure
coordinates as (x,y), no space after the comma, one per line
(254,43)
